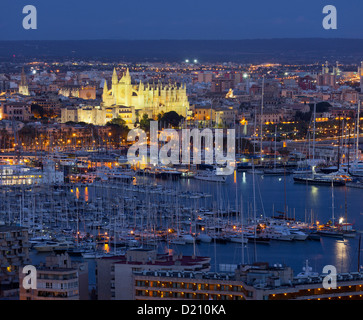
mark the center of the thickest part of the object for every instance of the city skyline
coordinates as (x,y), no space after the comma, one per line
(194,151)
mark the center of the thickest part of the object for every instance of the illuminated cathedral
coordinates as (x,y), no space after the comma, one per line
(151,99)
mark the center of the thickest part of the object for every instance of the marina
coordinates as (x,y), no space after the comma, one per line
(250,217)
(177,178)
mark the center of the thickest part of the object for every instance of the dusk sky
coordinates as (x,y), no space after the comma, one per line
(187,19)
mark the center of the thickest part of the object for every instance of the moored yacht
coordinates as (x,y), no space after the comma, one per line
(210,176)
(46,246)
(203,237)
(298,234)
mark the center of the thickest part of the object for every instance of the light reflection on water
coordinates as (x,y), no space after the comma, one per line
(274,193)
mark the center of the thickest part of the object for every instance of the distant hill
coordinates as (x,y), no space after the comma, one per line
(255,51)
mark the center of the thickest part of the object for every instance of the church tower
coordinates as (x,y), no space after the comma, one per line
(23,86)
(114,82)
(105,91)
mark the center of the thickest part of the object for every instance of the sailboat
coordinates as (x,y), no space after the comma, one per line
(337,230)
(315,178)
(355,169)
(208,175)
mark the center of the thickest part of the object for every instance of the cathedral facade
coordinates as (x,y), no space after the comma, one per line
(151,99)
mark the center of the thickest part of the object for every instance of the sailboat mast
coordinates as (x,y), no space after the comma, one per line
(314,133)
(242,247)
(357,142)
(275,146)
(254,210)
(332,200)
(358,269)
(261,119)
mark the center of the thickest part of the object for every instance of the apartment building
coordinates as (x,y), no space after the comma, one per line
(259,281)
(58,279)
(14,253)
(16,110)
(114,274)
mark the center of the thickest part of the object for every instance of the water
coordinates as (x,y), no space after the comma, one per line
(300,199)
(304,203)
(272,194)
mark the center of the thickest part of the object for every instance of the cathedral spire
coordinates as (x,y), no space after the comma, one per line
(105,89)
(127,77)
(141,86)
(114,76)
(23,86)
(23,81)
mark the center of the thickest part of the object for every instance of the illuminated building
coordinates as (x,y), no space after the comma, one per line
(249,282)
(221,84)
(82,92)
(151,99)
(205,77)
(129,102)
(23,86)
(58,279)
(88,114)
(98,115)
(14,253)
(22,175)
(230,94)
(202,113)
(326,78)
(114,274)
(176,285)
(16,110)
(270,116)
(220,115)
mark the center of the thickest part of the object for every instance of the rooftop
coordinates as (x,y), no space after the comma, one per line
(262,268)
(159,259)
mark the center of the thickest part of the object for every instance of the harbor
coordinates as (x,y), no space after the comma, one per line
(246,218)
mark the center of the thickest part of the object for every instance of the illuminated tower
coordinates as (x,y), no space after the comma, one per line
(360,72)
(23,86)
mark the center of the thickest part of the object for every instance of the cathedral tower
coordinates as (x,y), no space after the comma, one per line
(23,86)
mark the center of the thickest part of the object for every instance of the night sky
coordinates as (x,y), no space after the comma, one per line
(186,19)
